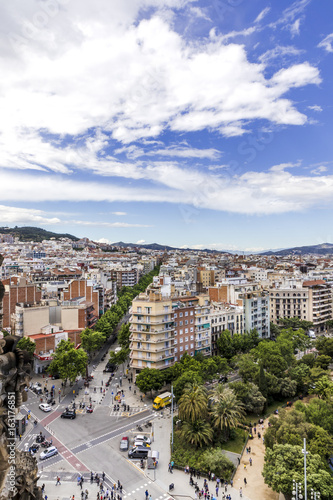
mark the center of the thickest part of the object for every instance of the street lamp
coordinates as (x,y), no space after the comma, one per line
(305,487)
(297,491)
(315,495)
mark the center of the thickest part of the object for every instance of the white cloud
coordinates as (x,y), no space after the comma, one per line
(319,170)
(289,14)
(271,192)
(17,215)
(262,14)
(315,107)
(295,27)
(141,242)
(327,43)
(72,75)
(279,51)
(103,223)
(119,213)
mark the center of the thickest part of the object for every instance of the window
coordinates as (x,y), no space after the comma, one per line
(192,345)
(186,330)
(175,341)
(180,315)
(191,329)
(180,323)
(148,310)
(176,358)
(180,332)
(176,323)
(186,322)
(138,309)
(181,349)
(186,347)
(175,315)
(186,339)
(191,313)
(180,340)
(191,321)
(166,309)
(175,349)
(186,313)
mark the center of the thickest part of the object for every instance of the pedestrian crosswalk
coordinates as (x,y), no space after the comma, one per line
(120,413)
(136,490)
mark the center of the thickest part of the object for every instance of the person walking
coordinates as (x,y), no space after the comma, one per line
(58,481)
(245,481)
(147,494)
(250,461)
(240,492)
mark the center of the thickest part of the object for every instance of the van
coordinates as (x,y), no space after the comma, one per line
(162,400)
(138,452)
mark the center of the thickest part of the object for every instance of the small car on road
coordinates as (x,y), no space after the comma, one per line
(68,414)
(124,443)
(48,453)
(45,407)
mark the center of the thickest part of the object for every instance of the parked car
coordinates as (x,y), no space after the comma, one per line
(141,437)
(68,414)
(45,407)
(124,443)
(138,452)
(142,443)
(48,453)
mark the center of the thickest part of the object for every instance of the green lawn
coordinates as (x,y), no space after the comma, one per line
(236,445)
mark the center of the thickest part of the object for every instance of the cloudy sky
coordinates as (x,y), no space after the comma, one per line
(182,122)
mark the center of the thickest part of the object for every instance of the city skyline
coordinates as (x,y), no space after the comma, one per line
(168,121)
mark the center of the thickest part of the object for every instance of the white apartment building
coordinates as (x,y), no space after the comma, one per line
(225,317)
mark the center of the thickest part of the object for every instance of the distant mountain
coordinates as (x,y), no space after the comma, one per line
(322,249)
(38,234)
(150,246)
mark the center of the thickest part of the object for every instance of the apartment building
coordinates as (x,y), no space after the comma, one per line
(91,293)
(152,332)
(29,319)
(202,326)
(225,317)
(256,312)
(310,301)
(17,290)
(184,326)
(125,277)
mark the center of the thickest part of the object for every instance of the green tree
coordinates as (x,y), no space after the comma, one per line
(288,388)
(308,359)
(325,346)
(27,345)
(323,361)
(227,412)
(187,377)
(224,345)
(149,379)
(91,340)
(68,361)
(124,336)
(323,388)
(248,369)
(197,433)
(193,403)
(215,460)
(285,462)
(300,373)
(318,412)
(262,383)
(249,394)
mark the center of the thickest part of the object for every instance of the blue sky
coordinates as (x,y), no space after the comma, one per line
(182,122)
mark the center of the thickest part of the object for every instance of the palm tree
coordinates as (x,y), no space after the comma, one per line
(198,433)
(227,411)
(193,403)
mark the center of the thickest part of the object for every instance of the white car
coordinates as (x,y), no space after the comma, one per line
(49,452)
(45,407)
(142,438)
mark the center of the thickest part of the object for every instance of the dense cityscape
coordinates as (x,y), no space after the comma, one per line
(112,329)
(166,253)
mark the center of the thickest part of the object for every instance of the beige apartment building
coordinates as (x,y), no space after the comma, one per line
(310,301)
(152,332)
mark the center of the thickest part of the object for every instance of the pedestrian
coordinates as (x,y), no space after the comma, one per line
(82,495)
(231,483)
(240,492)
(249,449)
(217,491)
(244,466)
(58,481)
(45,498)
(147,494)
(150,497)
(245,481)
(91,477)
(43,487)
(103,475)
(238,458)
(255,430)
(263,440)
(250,461)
